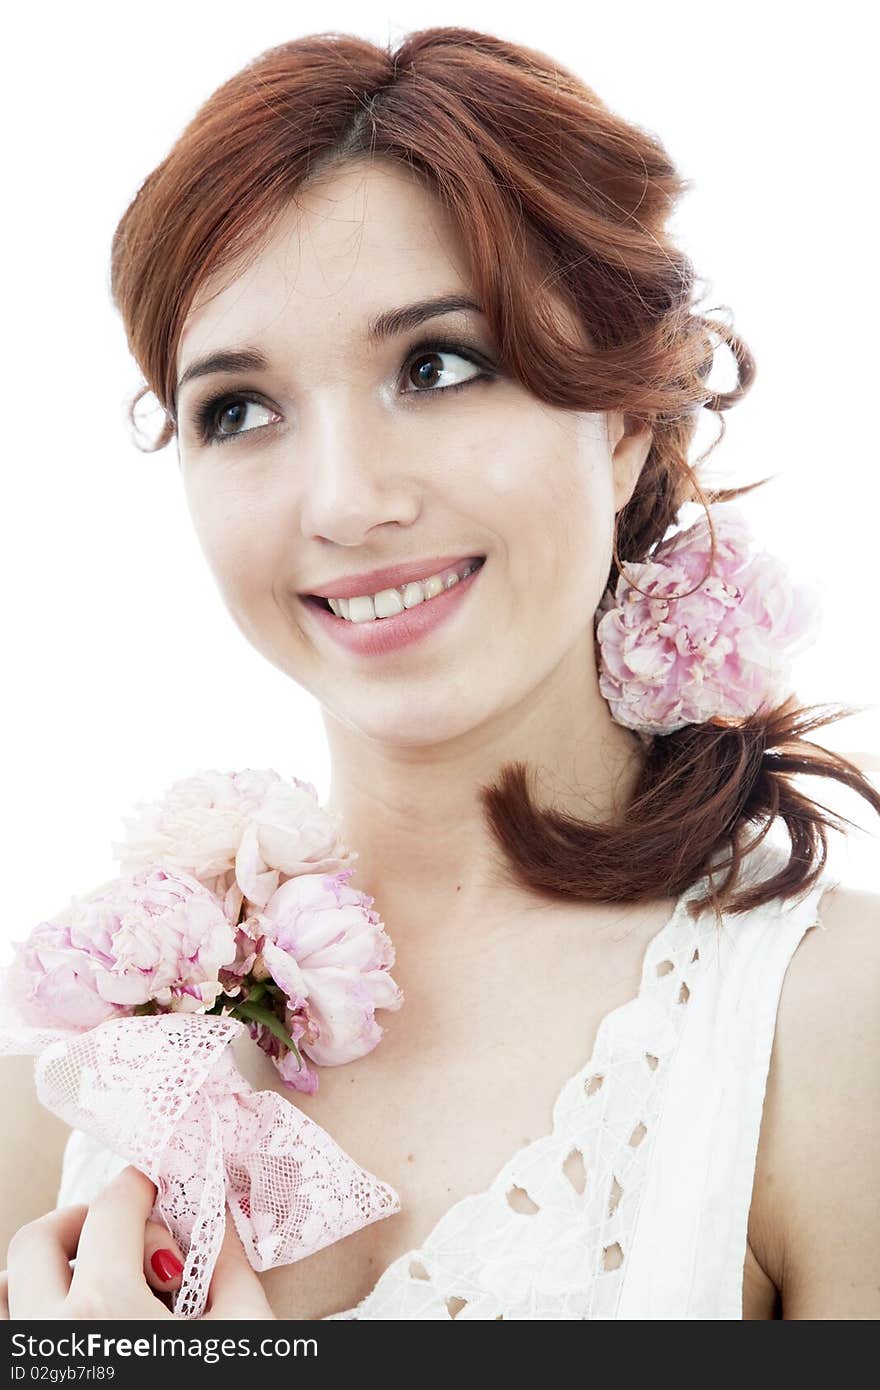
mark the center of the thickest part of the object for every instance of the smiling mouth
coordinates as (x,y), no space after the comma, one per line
(324,603)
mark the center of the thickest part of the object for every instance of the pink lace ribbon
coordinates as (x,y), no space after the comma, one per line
(164,1092)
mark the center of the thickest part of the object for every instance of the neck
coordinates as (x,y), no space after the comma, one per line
(426,852)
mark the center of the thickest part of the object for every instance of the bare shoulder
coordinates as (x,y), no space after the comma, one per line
(31,1152)
(814,1225)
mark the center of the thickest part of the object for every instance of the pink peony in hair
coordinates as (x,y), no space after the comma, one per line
(723,651)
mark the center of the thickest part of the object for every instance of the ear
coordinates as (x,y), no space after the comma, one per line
(629,440)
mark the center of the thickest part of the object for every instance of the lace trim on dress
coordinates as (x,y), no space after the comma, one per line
(550,1236)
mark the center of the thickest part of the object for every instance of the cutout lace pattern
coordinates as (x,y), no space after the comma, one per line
(548,1239)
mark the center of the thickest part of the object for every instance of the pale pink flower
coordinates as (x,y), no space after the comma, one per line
(329,953)
(297,1074)
(723,651)
(239,833)
(155,937)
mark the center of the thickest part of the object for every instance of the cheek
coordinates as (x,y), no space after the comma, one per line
(584,551)
(558,515)
(242,581)
(584,499)
(236,555)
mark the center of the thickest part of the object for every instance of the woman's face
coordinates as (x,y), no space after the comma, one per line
(347,453)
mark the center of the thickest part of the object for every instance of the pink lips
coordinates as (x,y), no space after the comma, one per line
(384,635)
(391,577)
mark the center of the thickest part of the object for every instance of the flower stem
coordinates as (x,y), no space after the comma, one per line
(258,1013)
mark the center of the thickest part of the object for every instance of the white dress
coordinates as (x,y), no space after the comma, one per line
(636,1205)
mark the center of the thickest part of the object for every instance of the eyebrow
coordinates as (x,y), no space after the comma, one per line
(384,325)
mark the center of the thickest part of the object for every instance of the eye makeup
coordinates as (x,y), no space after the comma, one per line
(205,414)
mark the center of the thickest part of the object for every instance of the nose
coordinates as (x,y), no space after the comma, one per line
(354,477)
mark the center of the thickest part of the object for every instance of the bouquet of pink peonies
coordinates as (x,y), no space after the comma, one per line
(233,912)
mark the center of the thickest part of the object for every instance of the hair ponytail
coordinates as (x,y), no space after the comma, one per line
(700,788)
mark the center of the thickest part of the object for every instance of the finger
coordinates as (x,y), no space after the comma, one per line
(38,1262)
(111,1243)
(163,1259)
(4,1296)
(235,1290)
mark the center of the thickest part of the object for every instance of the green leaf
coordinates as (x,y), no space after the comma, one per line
(223,1001)
(260,1014)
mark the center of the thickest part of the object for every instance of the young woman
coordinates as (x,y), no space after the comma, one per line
(416,314)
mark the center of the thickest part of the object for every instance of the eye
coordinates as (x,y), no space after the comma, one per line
(424,367)
(232,410)
(210,415)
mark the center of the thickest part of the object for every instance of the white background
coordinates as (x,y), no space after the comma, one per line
(123,670)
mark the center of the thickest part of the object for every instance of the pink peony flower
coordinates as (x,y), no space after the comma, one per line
(721,652)
(156,937)
(330,955)
(239,833)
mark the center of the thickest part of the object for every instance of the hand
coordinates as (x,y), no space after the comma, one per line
(113,1242)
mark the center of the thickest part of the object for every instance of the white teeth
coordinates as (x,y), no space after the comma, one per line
(421,589)
(366,608)
(387,603)
(360,610)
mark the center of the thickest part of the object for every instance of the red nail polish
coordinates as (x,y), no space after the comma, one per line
(166,1265)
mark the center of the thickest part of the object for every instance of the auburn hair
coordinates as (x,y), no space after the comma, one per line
(550,190)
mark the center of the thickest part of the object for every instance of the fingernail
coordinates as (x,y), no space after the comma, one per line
(166,1265)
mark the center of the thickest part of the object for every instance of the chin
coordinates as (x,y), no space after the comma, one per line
(410,722)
